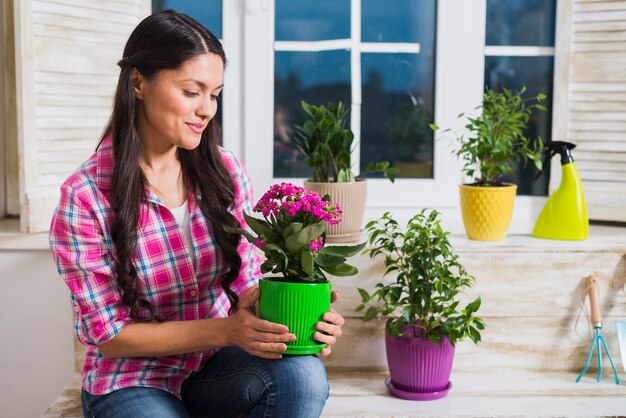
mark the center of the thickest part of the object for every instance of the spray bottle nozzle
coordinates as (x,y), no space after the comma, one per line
(552,148)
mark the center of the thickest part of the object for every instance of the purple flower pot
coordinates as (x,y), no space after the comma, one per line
(420,370)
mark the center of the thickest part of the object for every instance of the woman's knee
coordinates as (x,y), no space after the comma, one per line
(303,377)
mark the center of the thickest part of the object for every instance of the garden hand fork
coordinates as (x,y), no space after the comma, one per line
(598,340)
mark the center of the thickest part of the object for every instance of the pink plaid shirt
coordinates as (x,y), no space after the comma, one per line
(80,239)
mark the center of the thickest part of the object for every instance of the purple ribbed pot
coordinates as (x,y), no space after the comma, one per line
(417,365)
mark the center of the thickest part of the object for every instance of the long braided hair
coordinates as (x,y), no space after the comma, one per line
(165,40)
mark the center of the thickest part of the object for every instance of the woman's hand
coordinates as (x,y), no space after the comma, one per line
(329,331)
(254,335)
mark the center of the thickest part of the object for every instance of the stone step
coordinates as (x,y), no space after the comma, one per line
(503,394)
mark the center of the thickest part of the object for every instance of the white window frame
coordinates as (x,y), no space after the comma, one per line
(459,45)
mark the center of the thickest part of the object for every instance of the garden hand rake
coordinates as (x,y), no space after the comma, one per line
(598,340)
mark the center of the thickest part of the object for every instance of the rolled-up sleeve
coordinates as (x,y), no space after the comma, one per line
(250,271)
(85,262)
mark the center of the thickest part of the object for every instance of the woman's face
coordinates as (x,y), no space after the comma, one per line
(176,105)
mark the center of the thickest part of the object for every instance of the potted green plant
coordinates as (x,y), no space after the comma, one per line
(421,304)
(291,236)
(491,144)
(326,145)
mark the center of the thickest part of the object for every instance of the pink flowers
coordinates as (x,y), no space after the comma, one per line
(316,245)
(296,202)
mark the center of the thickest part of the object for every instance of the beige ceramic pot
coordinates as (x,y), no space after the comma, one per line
(351,197)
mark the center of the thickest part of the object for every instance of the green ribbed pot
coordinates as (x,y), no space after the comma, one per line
(299,306)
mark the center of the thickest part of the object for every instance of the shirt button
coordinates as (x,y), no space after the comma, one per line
(198,353)
(76,309)
(192,293)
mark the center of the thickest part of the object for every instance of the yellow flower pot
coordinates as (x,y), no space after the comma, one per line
(487,211)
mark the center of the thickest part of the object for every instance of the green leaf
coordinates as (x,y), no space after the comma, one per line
(364,295)
(371,314)
(251,238)
(342,250)
(340,270)
(267,266)
(473,306)
(260,229)
(297,241)
(324,260)
(359,308)
(292,228)
(306,259)
(276,253)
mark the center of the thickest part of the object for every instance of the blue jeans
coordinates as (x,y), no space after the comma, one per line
(232,384)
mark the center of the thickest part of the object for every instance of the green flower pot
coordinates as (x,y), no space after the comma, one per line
(299,306)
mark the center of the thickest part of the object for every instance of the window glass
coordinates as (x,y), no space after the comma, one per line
(528,22)
(535,73)
(407,21)
(209,14)
(398,104)
(524,23)
(312,20)
(316,78)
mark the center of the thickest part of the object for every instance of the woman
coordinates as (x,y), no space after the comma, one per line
(163,296)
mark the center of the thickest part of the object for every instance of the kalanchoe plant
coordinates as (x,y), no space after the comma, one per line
(291,235)
(326,145)
(495,140)
(425,294)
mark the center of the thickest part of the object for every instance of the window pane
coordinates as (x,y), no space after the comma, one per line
(398,105)
(315,77)
(407,21)
(305,20)
(528,22)
(207,12)
(536,74)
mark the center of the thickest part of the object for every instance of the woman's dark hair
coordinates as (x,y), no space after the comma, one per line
(165,40)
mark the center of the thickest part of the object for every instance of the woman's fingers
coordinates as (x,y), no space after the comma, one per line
(334,318)
(325,351)
(267,326)
(268,337)
(324,338)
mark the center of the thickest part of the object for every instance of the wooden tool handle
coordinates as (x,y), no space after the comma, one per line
(592,285)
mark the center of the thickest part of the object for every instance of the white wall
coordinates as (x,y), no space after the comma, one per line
(36,345)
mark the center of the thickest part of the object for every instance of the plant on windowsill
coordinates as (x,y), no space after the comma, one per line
(491,144)
(291,235)
(326,145)
(421,305)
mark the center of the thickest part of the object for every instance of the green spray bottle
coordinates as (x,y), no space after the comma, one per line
(565,214)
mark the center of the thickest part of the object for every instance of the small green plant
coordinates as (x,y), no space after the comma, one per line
(326,144)
(495,139)
(425,293)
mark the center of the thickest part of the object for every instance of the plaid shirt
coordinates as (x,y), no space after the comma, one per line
(80,239)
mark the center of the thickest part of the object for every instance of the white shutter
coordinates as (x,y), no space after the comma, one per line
(66,55)
(590,100)
(3,106)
